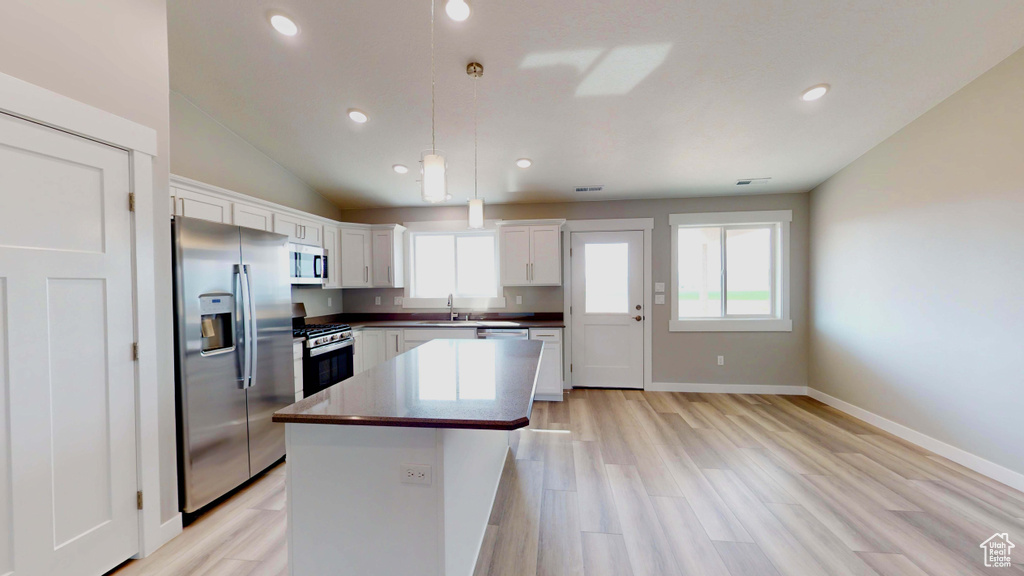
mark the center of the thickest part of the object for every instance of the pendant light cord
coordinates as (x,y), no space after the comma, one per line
(433,138)
(475,111)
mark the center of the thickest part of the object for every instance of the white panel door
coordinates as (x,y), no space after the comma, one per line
(355,258)
(515,255)
(545,256)
(67,456)
(252,217)
(607,309)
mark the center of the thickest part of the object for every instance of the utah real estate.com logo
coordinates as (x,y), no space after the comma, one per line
(997,550)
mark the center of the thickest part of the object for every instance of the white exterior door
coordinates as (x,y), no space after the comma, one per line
(607,309)
(67,437)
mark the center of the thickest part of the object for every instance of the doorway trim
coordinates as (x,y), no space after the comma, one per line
(36,104)
(645,225)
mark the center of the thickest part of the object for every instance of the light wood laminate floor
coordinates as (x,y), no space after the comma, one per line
(622,483)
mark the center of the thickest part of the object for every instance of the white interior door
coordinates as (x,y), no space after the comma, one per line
(67,434)
(607,309)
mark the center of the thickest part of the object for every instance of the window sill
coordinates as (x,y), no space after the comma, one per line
(459,303)
(731,325)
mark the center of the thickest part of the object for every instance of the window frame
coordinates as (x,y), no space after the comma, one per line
(779,320)
(450,228)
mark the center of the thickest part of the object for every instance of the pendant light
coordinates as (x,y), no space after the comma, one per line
(434,168)
(476,204)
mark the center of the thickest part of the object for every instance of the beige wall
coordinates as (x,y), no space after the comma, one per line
(111,54)
(775,358)
(206,150)
(917,273)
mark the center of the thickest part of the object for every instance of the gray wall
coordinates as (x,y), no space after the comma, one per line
(917,274)
(111,54)
(775,358)
(206,150)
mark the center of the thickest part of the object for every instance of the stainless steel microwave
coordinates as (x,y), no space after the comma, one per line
(307,264)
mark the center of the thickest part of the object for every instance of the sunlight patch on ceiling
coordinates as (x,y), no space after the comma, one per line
(578,59)
(622,69)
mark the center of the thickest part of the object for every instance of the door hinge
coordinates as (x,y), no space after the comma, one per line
(570,367)
(131,201)
(570,310)
(135,351)
(138,499)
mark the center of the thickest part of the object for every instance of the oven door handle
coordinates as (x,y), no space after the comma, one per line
(313,352)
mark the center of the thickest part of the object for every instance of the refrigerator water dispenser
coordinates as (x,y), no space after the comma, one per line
(217,314)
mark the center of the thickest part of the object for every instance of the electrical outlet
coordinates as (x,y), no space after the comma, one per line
(416,474)
(519,299)
(328,301)
(721,360)
(376,300)
(659,298)
(398,300)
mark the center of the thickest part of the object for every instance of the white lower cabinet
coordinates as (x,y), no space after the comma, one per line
(297,361)
(413,337)
(392,343)
(549,377)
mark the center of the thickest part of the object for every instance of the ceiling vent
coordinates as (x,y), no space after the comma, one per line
(585,189)
(752,181)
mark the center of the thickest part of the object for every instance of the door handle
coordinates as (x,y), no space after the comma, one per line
(366,274)
(389,274)
(254,357)
(638,318)
(247,352)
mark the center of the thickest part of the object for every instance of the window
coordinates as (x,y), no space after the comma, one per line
(730,272)
(460,262)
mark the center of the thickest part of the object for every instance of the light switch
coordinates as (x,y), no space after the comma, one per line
(328,301)
(398,300)
(519,299)
(376,300)
(659,287)
(659,298)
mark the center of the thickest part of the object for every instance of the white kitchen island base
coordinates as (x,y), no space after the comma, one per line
(350,513)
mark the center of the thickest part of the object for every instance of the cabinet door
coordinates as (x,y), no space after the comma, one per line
(333,255)
(383,258)
(312,233)
(515,255)
(355,261)
(545,256)
(373,348)
(252,217)
(549,376)
(289,226)
(194,205)
(358,360)
(392,343)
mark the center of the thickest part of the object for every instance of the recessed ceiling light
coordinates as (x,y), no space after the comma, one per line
(457,10)
(400,168)
(284,25)
(524,162)
(815,92)
(358,116)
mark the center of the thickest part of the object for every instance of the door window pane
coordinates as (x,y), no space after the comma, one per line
(748,262)
(476,274)
(607,278)
(700,272)
(435,266)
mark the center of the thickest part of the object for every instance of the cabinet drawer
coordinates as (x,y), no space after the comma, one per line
(546,334)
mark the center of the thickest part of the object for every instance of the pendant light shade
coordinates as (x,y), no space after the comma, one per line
(434,180)
(476,213)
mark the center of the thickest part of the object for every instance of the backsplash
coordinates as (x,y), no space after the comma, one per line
(535,299)
(315,299)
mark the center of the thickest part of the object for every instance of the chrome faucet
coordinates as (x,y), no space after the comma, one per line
(452,316)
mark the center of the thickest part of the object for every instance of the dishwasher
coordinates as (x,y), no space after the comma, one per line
(503,334)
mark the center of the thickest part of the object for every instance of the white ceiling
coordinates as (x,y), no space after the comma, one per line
(649,98)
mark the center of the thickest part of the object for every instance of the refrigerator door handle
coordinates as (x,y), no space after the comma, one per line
(254,356)
(242,273)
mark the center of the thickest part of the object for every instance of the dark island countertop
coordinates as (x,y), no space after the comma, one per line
(476,384)
(458,324)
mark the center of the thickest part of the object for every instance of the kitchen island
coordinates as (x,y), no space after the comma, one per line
(394,470)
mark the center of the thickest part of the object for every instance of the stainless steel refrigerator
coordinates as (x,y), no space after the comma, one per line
(234,354)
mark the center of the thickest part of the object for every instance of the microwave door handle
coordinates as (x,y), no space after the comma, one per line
(240,273)
(317,267)
(253,340)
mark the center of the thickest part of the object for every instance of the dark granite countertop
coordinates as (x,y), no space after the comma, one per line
(458,324)
(479,384)
(440,320)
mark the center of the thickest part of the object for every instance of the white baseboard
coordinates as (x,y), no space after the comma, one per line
(962,457)
(548,397)
(728,388)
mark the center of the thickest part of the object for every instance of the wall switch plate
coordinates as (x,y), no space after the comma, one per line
(398,300)
(376,300)
(659,298)
(328,301)
(659,286)
(519,299)
(721,360)
(416,474)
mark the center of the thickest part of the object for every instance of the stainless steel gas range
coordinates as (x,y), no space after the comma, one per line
(327,354)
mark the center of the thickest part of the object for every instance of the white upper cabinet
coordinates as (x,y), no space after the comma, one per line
(332,252)
(195,205)
(356,258)
(388,248)
(531,255)
(253,217)
(299,230)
